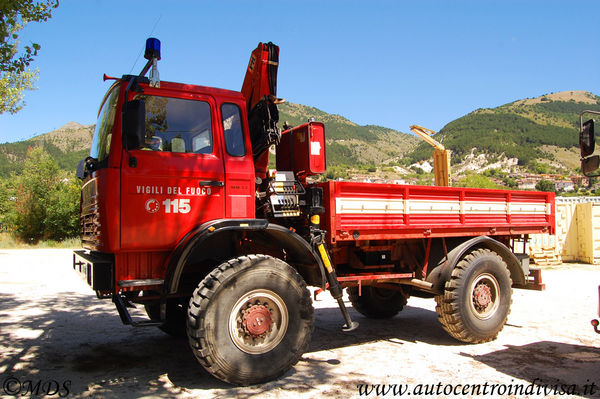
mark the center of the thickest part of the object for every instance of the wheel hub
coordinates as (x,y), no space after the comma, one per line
(485,296)
(257,321)
(482,296)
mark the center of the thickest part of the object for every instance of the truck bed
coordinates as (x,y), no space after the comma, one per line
(370,211)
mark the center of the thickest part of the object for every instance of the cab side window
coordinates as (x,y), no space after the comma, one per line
(232,130)
(177,125)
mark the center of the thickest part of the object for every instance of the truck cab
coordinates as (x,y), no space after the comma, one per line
(193,165)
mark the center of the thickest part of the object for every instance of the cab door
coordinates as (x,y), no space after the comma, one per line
(239,165)
(176,181)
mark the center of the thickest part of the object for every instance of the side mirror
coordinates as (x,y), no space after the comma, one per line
(134,124)
(590,165)
(587,142)
(80,172)
(85,166)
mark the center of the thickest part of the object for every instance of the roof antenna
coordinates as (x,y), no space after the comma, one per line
(149,35)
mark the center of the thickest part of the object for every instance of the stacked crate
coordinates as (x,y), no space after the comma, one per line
(577,236)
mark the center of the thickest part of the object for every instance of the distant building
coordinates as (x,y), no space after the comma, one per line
(564,185)
(527,184)
(582,181)
(529,181)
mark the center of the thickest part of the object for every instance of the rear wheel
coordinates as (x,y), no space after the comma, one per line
(377,303)
(250,319)
(477,298)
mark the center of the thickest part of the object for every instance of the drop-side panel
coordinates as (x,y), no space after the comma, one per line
(369,211)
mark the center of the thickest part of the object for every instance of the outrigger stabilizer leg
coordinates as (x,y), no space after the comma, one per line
(334,285)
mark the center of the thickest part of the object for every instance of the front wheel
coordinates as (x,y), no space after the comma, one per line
(476,300)
(250,319)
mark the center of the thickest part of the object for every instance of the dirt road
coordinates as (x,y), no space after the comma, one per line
(54,331)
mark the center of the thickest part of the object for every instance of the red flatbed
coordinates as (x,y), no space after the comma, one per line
(368,211)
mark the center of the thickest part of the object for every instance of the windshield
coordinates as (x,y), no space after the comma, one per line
(177,125)
(104,125)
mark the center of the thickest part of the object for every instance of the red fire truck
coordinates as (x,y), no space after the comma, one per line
(180,214)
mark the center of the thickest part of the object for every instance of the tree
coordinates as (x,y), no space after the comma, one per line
(476,181)
(47,203)
(7,195)
(15,75)
(544,185)
(39,175)
(12,86)
(62,220)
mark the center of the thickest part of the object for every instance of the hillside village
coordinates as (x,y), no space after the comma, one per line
(498,173)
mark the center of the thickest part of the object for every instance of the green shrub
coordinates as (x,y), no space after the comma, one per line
(47,201)
(476,181)
(544,185)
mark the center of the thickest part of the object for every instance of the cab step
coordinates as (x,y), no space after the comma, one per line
(122,304)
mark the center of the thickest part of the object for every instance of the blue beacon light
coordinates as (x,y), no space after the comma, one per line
(152,49)
(152,54)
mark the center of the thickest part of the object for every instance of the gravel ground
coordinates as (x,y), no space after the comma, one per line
(54,331)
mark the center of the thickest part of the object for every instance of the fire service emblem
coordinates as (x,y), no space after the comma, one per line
(152,205)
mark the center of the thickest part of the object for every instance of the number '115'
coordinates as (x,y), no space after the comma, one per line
(177,205)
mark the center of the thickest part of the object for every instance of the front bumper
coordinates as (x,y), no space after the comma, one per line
(97,269)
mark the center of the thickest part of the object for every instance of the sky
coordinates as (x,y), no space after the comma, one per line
(388,63)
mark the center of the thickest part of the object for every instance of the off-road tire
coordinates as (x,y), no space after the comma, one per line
(377,303)
(477,298)
(175,324)
(216,333)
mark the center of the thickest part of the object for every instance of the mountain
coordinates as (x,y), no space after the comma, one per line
(67,145)
(541,133)
(347,143)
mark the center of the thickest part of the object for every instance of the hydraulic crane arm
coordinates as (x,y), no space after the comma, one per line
(261,75)
(260,90)
(441,156)
(426,134)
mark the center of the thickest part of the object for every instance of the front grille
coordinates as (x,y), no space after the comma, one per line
(90,229)
(89,219)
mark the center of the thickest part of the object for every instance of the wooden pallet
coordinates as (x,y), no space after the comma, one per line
(545,257)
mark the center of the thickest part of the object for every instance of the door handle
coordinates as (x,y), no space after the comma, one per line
(213,183)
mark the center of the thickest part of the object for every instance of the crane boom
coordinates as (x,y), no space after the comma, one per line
(260,91)
(426,134)
(441,156)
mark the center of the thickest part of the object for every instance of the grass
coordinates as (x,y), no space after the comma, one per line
(8,241)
